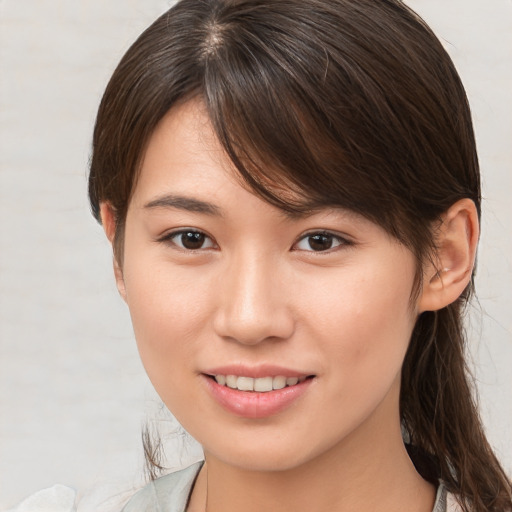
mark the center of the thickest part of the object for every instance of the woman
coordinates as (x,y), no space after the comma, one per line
(292,194)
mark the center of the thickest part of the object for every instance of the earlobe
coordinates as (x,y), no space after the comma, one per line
(456,243)
(108,221)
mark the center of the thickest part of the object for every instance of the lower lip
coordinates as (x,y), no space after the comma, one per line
(251,404)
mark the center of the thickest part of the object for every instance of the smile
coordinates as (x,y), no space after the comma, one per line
(260,384)
(256,397)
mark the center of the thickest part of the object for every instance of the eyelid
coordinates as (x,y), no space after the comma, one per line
(344,240)
(168,236)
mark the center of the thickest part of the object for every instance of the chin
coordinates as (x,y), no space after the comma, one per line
(270,454)
(264,462)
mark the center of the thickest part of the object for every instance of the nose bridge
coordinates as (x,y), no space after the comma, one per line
(252,305)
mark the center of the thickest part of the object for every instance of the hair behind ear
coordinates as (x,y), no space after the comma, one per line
(440,414)
(437,402)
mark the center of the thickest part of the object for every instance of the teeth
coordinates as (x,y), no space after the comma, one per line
(245,384)
(231,381)
(279,382)
(261,384)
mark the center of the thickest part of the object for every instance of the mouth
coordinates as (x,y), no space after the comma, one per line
(257,392)
(257,397)
(259,384)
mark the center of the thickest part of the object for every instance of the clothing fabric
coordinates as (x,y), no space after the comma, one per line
(54,499)
(170,493)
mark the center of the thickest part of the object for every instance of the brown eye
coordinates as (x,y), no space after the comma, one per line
(319,242)
(191,240)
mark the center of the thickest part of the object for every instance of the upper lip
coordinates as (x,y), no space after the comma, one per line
(264,370)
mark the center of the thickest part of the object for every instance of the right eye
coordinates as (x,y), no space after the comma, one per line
(189,239)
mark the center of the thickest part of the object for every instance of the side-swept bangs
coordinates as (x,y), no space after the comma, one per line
(346,104)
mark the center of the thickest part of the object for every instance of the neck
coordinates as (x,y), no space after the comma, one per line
(368,470)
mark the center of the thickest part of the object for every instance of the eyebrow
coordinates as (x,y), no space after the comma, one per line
(192,204)
(189,204)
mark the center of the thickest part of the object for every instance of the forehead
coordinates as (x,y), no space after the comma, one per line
(186,168)
(184,151)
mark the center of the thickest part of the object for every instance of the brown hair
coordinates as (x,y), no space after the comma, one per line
(352,103)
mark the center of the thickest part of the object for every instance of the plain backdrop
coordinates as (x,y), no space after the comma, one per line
(73,394)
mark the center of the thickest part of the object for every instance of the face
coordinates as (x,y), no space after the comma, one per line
(273,339)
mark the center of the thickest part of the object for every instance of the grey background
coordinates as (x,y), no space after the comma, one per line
(73,394)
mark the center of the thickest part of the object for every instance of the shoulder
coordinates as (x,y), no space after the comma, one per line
(169,493)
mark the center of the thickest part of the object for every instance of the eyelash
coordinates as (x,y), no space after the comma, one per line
(338,239)
(200,236)
(169,238)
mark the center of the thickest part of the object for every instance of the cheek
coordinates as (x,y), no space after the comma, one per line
(169,312)
(365,322)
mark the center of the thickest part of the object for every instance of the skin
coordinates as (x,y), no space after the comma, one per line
(257,293)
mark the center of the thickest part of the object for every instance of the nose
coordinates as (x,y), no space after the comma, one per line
(252,302)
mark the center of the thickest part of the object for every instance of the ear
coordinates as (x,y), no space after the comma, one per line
(456,240)
(108,221)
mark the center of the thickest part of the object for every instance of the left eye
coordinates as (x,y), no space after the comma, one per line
(319,242)
(190,240)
